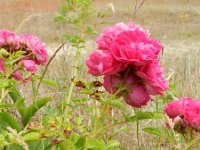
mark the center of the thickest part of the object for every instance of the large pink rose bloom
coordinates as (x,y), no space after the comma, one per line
(152,76)
(175,108)
(103,64)
(37,47)
(137,96)
(192,114)
(9,39)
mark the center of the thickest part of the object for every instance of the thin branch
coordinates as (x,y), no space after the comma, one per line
(137,7)
(47,65)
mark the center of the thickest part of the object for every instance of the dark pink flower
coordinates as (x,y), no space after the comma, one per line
(152,76)
(175,108)
(112,83)
(192,114)
(29,66)
(37,47)
(103,64)
(186,110)
(137,96)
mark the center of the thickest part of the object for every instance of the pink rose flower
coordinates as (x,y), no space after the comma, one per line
(103,64)
(175,108)
(37,47)
(30,66)
(192,114)
(152,76)
(9,40)
(137,96)
(129,57)
(185,111)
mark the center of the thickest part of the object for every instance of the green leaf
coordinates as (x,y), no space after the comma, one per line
(80,142)
(3,52)
(31,110)
(7,120)
(169,134)
(19,100)
(114,103)
(111,145)
(5,106)
(49,82)
(97,144)
(19,53)
(4,85)
(144,115)
(154,131)
(31,136)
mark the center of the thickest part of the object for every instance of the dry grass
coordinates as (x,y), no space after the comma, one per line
(175,23)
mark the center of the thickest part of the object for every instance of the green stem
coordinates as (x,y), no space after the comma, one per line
(69,94)
(137,133)
(137,129)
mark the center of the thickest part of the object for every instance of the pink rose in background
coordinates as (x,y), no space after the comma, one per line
(112,83)
(185,111)
(36,46)
(192,114)
(152,76)
(9,39)
(175,108)
(103,64)
(137,96)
